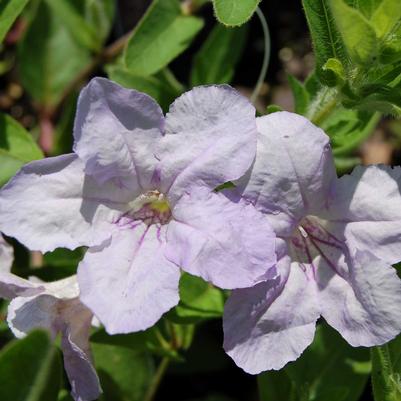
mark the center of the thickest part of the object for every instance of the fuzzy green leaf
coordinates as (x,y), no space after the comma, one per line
(9,11)
(386,16)
(163,33)
(216,60)
(326,39)
(357,32)
(234,12)
(335,72)
(273,108)
(386,371)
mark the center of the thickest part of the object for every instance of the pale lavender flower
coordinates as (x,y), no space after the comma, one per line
(337,239)
(139,191)
(55,307)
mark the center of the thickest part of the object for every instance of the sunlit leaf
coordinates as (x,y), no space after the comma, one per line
(17,147)
(9,11)
(162,34)
(234,12)
(49,57)
(357,33)
(198,301)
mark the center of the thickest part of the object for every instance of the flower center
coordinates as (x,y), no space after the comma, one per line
(312,238)
(150,208)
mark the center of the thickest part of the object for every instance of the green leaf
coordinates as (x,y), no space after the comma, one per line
(275,386)
(154,86)
(348,129)
(82,32)
(326,39)
(386,16)
(9,11)
(234,12)
(17,147)
(30,369)
(357,32)
(273,108)
(162,34)
(216,60)
(49,57)
(301,96)
(345,165)
(313,85)
(386,371)
(199,300)
(150,340)
(329,370)
(125,374)
(335,73)
(100,15)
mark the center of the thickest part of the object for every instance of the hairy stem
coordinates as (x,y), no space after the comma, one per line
(266,55)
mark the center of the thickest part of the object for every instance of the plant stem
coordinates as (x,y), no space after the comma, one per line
(157,378)
(324,112)
(266,56)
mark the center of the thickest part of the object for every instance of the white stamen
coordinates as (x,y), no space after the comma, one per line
(303,232)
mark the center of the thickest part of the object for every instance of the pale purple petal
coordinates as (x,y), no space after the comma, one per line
(116,130)
(53,310)
(85,385)
(228,244)
(293,171)
(128,283)
(271,324)
(363,306)
(51,203)
(12,286)
(6,255)
(210,138)
(367,207)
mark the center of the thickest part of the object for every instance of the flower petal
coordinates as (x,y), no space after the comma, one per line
(210,138)
(51,203)
(12,286)
(365,306)
(59,310)
(6,255)
(85,385)
(229,244)
(293,171)
(128,283)
(367,207)
(272,323)
(116,130)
